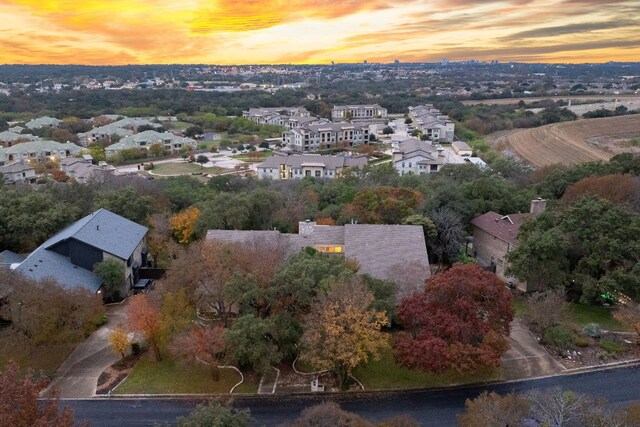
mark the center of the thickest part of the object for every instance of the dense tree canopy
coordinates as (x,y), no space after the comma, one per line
(460,321)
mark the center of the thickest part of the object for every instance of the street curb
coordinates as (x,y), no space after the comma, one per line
(355,393)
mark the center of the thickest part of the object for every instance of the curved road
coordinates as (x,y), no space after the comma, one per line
(431,407)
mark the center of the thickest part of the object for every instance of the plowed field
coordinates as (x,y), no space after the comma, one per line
(570,143)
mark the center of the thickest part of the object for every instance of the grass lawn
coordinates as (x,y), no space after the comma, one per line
(183,168)
(583,314)
(180,126)
(386,374)
(168,377)
(247,158)
(519,307)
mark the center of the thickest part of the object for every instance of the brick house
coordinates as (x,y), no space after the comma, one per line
(495,235)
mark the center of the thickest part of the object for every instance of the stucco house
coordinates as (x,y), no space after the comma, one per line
(71,254)
(417,157)
(38,150)
(18,172)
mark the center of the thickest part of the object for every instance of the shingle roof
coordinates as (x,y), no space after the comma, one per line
(15,168)
(7,258)
(104,230)
(504,227)
(9,136)
(377,248)
(42,264)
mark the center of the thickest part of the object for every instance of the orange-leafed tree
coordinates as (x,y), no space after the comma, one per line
(202,344)
(159,236)
(119,340)
(341,331)
(618,188)
(460,321)
(382,205)
(143,316)
(183,225)
(19,405)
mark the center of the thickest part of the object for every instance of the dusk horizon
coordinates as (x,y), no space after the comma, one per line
(309,32)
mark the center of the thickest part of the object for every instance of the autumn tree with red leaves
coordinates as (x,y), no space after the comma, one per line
(143,316)
(19,405)
(460,321)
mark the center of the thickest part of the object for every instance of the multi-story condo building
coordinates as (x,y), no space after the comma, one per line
(358,112)
(326,135)
(431,122)
(283,165)
(278,116)
(38,150)
(146,139)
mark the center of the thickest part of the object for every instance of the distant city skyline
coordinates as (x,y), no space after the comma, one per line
(312,31)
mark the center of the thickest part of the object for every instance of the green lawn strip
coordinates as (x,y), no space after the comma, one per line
(519,307)
(168,377)
(583,314)
(184,168)
(387,374)
(180,126)
(246,158)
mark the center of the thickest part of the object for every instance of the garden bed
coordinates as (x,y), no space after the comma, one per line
(114,374)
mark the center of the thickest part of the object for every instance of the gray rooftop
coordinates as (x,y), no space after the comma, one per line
(296,161)
(102,229)
(378,249)
(7,258)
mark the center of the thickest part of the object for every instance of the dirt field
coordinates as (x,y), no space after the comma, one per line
(580,98)
(570,143)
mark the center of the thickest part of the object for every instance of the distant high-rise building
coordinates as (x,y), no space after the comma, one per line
(397,61)
(366,62)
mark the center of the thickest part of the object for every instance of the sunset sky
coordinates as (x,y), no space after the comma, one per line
(316,31)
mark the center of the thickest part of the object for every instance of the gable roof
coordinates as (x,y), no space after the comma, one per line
(503,227)
(7,258)
(103,230)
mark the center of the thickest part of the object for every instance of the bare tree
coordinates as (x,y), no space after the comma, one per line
(548,308)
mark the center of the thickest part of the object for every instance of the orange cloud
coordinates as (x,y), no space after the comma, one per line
(304,31)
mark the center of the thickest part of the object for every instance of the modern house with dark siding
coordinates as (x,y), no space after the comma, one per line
(69,256)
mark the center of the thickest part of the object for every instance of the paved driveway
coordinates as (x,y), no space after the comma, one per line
(526,358)
(78,375)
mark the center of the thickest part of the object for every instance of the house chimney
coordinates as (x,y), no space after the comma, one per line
(538,206)
(305,228)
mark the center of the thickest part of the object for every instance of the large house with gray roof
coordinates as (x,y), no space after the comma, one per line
(282,166)
(416,157)
(70,255)
(380,250)
(278,116)
(8,138)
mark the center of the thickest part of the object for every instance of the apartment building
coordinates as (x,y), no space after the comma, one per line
(417,157)
(279,116)
(324,136)
(283,165)
(357,113)
(431,122)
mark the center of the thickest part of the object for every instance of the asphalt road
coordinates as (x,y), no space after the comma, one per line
(431,407)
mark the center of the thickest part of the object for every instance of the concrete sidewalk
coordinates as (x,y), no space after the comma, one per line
(526,358)
(78,375)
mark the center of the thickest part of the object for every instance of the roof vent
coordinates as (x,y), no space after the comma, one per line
(97,227)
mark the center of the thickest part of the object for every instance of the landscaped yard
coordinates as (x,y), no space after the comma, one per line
(167,377)
(255,156)
(45,358)
(387,374)
(583,314)
(183,168)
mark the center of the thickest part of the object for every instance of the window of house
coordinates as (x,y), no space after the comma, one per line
(336,249)
(434,168)
(318,173)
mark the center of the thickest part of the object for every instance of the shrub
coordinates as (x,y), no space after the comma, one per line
(612,347)
(558,336)
(135,348)
(602,355)
(148,166)
(592,330)
(581,342)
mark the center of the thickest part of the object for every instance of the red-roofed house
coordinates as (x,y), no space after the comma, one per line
(495,235)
